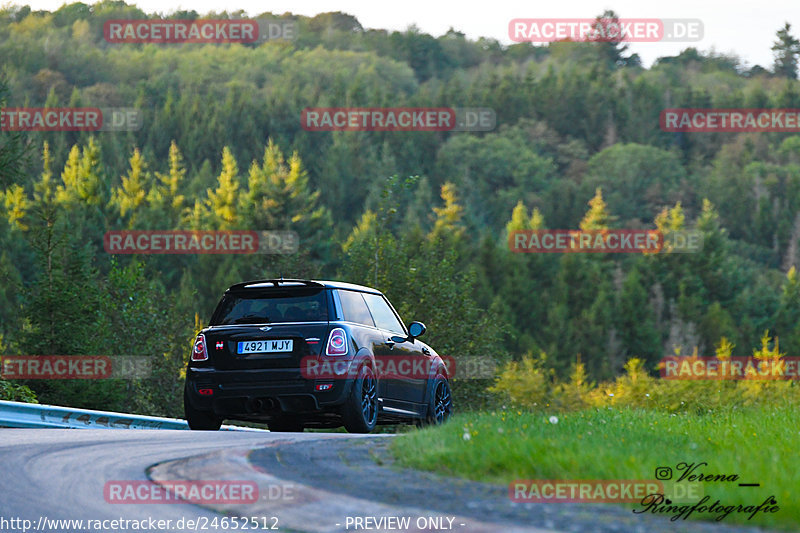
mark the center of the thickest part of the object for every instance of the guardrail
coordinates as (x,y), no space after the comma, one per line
(34,415)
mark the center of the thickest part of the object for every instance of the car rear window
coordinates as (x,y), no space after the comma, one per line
(271,306)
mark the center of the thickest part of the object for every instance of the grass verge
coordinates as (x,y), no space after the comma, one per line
(757,444)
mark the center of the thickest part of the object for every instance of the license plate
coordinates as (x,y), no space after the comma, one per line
(276,346)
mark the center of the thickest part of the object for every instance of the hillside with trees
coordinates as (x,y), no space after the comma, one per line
(423,216)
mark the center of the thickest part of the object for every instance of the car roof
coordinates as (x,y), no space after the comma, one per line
(263,283)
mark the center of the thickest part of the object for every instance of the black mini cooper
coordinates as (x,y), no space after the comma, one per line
(317,354)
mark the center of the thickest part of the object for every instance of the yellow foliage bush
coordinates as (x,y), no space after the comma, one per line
(525,383)
(574,394)
(529,384)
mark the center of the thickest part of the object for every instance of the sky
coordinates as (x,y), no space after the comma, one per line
(745,28)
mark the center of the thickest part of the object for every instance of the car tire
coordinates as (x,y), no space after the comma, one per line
(284,424)
(440,405)
(360,410)
(197,419)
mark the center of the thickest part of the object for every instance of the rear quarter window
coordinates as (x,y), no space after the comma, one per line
(354,308)
(384,317)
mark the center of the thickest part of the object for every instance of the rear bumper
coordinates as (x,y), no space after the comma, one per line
(262,393)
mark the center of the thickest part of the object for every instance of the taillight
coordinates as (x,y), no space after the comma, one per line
(199,352)
(337,343)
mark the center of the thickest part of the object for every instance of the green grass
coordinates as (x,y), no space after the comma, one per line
(758,444)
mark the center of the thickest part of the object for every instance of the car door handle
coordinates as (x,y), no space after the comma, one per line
(426,351)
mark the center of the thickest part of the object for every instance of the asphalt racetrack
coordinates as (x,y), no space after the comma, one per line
(306,482)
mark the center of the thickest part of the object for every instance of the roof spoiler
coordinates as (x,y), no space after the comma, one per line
(275,283)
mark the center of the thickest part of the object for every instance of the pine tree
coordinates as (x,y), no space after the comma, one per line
(671,219)
(716,324)
(82,179)
(224,200)
(611,49)
(90,185)
(536,221)
(15,201)
(519,219)
(597,217)
(165,196)
(372,256)
(635,322)
(130,196)
(279,197)
(787,318)
(448,218)
(196,217)
(14,154)
(67,193)
(786,49)
(10,297)
(418,212)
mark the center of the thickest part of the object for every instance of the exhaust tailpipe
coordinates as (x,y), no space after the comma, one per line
(259,405)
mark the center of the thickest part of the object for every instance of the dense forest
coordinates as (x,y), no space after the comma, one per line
(423,216)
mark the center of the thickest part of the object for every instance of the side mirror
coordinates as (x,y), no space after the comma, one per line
(416,329)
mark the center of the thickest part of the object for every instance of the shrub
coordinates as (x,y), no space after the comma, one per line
(529,384)
(525,383)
